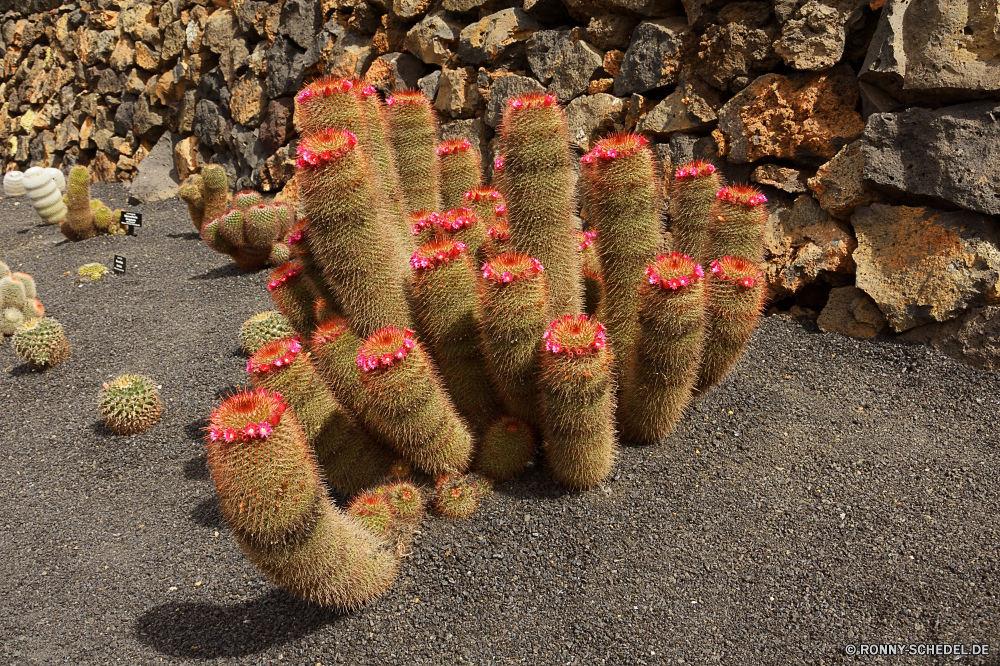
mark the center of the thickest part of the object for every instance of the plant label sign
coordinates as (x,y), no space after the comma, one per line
(131,220)
(119,265)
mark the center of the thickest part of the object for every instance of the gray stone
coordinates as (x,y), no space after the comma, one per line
(838,184)
(874,100)
(285,65)
(250,155)
(610,31)
(552,12)
(813,32)
(434,39)
(219,29)
(125,117)
(972,338)
(592,117)
(684,110)
(653,57)
(923,265)
(351,53)
(566,66)
(458,93)
(503,89)
(408,10)
(148,120)
(942,48)
(780,178)
(156,178)
(300,20)
(429,84)
(210,126)
(544,49)
(735,52)
(945,155)
(498,40)
(582,10)
(850,311)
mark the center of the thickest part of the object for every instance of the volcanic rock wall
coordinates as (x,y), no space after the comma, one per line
(872,127)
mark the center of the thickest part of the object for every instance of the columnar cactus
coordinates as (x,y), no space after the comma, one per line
(413,137)
(43,190)
(86,217)
(130,404)
(18,302)
(578,397)
(538,187)
(444,288)
(349,232)
(191,193)
(410,409)
(292,295)
(593,284)
(268,485)
(738,228)
(461,171)
(657,385)
(692,205)
(624,207)
(214,191)
(41,343)
(489,207)
(513,314)
(736,293)
(13,184)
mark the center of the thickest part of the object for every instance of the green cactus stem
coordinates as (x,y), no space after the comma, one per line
(489,206)
(738,229)
(578,397)
(406,500)
(79,223)
(693,205)
(461,171)
(593,284)
(444,289)
(736,294)
(336,346)
(294,298)
(41,343)
(412,133)
(462,224)
(497,238)
(244,199)
(10,320)
(457,497)
(513,315)
(267,482)
(409,406)
(13,291)
(507,447)
(348,231)
(191,193)
(262,328)
(130,404)
(216,190)
(30,289)
(373,510)
(212,236)
(623,205)
(299,252)
(537,184)
(659,377)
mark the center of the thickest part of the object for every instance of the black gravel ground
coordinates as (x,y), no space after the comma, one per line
(832,492)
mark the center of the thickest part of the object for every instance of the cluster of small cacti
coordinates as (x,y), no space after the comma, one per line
(86,217)
(446,323)
(130,404)
(18,300)
(91,272)
(243,226)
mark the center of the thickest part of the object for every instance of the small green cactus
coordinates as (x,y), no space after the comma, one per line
(10,320)
(507,447)
(406,500)
(41,343)
(91,272)
(262,328)
(457,496)
(13,291)
(373,511)
(130,404)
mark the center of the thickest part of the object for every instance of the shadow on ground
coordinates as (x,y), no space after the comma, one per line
(211,631)
(220,272)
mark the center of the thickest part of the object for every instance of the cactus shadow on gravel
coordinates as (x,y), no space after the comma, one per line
(190,235)
(195,469)
(208,513)
(213,631)
(195,431)
(220,272)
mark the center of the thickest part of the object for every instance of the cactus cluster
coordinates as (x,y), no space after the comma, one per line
(243,226)
(130,404)
(447,325)
(18,300)
(91,272)
(86,217)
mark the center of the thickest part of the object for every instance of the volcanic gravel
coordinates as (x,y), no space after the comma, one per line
(831,492)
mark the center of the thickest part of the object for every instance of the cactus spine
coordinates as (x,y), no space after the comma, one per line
(444,288)
(538,187)
(413,137)
(267,481)
(513,315)
(692,205)
(578,396)
(736,294)
(409,406)
(130,404)
(658,381)
(461,171)
(349,232)
(623,205)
